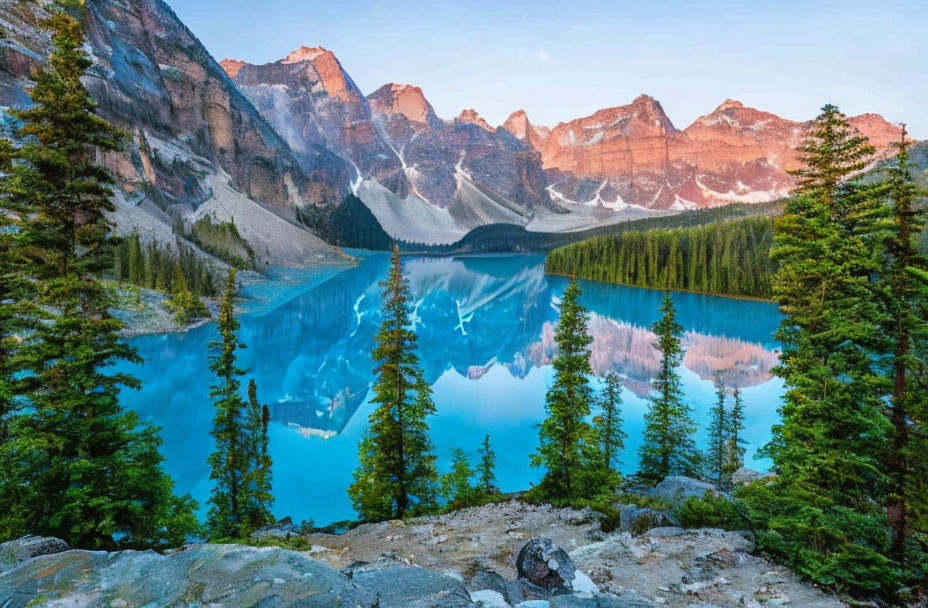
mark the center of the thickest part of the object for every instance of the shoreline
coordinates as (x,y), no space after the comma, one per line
(677,289)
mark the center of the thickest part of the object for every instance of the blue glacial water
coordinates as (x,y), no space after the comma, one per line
(485,327)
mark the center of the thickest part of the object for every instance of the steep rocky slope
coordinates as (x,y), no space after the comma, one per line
(634,155)
(188,124)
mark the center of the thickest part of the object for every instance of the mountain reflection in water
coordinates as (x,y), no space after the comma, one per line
(486,339)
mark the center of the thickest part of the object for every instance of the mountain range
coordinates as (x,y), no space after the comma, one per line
(255,144)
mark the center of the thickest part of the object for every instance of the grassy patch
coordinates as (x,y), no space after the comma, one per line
(223,240)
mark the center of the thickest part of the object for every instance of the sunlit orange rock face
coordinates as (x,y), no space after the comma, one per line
(471,116)
(634,155)
(519,125)
(402,100)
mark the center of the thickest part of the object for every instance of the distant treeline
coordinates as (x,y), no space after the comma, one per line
(510,238)
(154,267)
(731,258)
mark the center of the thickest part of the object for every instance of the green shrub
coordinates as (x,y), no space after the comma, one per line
(187,307)
(712,511)
(824,542)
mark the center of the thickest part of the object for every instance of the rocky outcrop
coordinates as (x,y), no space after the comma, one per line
(463,559)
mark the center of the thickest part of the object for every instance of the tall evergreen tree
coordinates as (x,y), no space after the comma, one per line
(76,464)
(486,470)
(566,439)
(456,486)
(824,506)
(258,479)
(905,327)
(396,475)
(239,465)
(608,424)
(734,424)
(668,447)
(717,457)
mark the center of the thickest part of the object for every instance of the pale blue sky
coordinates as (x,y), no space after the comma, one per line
(560,60)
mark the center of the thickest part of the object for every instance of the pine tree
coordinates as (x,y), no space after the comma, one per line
(228,463)
(396,475)
(240,465)
(668,447)
(456,486)
(76,465)
(18,314)
(258,478)
(905,327)
(734,424)
(487,476)
(718,436)
(608,424)
(823,509)
(565,437)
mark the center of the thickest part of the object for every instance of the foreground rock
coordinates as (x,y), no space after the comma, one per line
(16,552)
(464,559)
(545,570)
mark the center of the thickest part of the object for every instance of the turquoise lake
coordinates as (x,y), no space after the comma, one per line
(485,327)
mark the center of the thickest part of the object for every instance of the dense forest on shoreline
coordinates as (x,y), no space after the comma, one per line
(729,258)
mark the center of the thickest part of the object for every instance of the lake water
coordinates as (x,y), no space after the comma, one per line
(485,327)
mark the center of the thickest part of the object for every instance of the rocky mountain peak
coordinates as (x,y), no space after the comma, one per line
(878,130)
(392,99)
(471,116)
(232,67)
(518,124)
(306,53)
(729,103)
(322,64)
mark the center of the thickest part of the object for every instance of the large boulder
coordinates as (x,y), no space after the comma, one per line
(678,489)
(413,587)
(17,551)
(545,570)
(639,520)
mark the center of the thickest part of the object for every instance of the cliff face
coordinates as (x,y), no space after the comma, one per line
(187,120)
(634,156)
(316,107)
